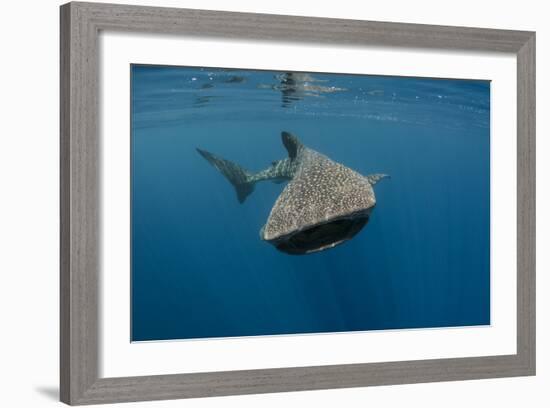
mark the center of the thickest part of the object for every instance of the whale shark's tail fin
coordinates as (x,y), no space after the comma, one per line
(239,177)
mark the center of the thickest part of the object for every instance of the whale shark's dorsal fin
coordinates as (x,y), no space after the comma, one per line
(292,144)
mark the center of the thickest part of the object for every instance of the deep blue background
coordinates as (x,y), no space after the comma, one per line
(199,268)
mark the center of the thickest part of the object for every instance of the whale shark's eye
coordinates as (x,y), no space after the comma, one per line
(322,236)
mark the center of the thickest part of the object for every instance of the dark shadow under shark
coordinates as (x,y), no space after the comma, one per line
(323,205)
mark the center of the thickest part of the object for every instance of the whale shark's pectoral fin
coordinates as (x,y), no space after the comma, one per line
(239,177)
(375,178)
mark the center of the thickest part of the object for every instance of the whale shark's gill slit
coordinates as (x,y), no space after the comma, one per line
(322,236)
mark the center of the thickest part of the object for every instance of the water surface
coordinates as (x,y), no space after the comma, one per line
(199,268)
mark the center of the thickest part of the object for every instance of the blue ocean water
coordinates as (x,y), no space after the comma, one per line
(199,268)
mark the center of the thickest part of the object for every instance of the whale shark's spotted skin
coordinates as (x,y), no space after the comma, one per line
(320,190)
(281,170)
(323,205)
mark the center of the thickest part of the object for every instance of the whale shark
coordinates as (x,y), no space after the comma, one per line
(323,205)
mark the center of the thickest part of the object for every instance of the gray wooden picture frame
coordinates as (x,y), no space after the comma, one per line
(80,157)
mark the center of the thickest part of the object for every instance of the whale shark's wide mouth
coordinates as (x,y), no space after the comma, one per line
(321,236)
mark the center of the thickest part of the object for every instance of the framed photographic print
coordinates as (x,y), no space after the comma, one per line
(260,203)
